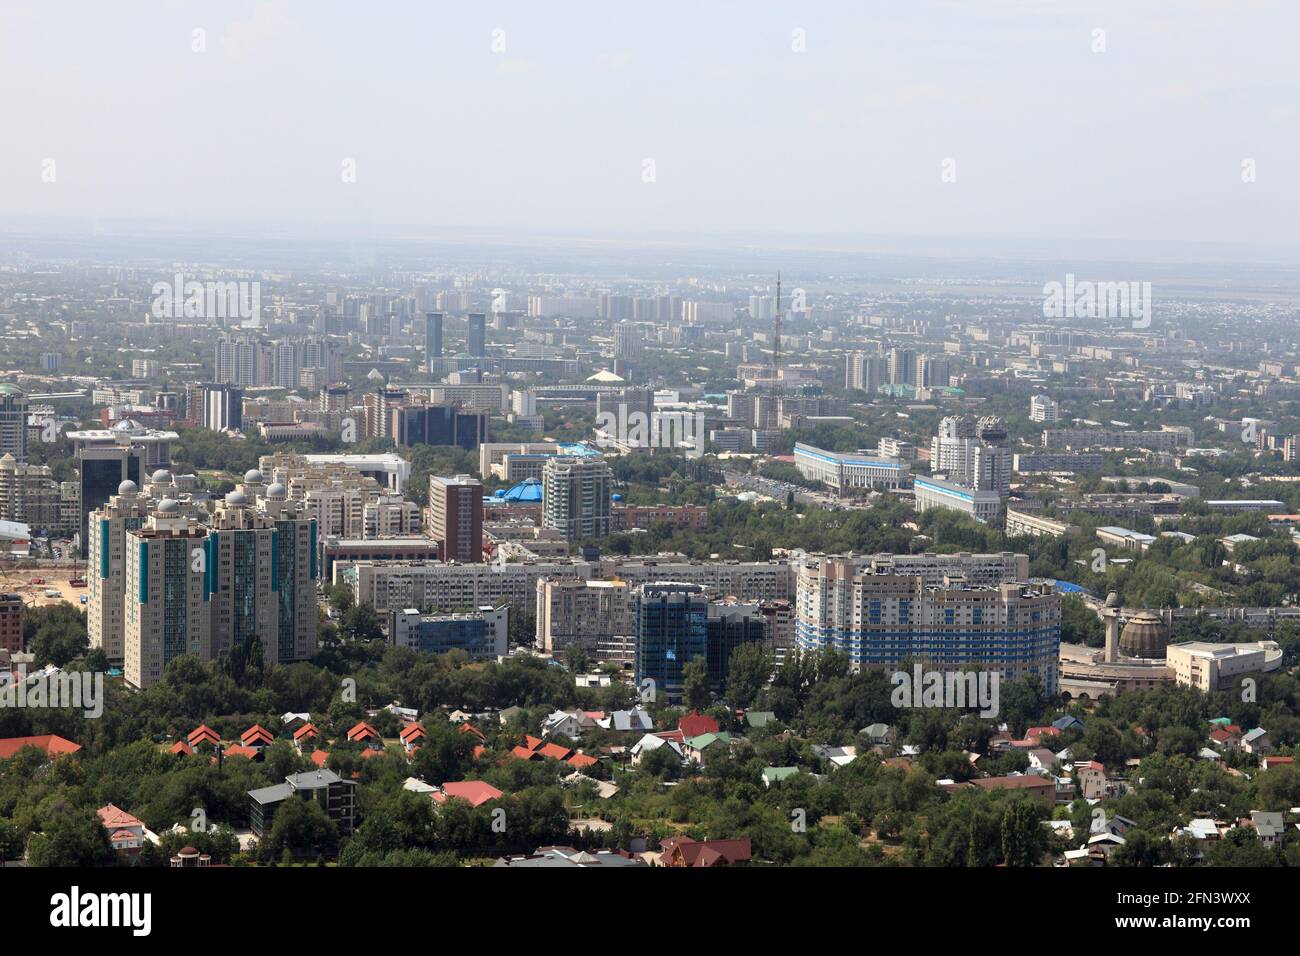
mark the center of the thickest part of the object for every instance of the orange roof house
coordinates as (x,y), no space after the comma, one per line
(51,745)
(468,728)
(412,736)
(696,724)
(318,757)
(305,733)
(554,751)
(125,831)
(363,733)
(582,761)
(203,734)
(475,792)
(181,748)
(256,736)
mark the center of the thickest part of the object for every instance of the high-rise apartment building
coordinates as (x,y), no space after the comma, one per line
(456,516)
(165,613)
(106,568)
(883,620)
(1043,409)
(575,497)
(972,454)
(865,372)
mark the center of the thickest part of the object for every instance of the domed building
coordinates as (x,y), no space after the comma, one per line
(1145,636)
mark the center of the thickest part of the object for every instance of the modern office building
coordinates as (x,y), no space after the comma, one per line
(103,470)
(477,342)
(671,630)
(448,424)
(885,620)
(1075,464)
(848,472)
(729,626)
(984,506)
(432,338)
(223,408)
(576,497)
(13,421)
(484,634)
(456,516)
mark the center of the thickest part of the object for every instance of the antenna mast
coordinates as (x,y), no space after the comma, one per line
(776,340)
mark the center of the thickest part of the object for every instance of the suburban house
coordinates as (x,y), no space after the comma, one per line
(636,719)
(653,742)
(367,736)
(1256,742)
(412,736)
(1092,780)
(697,748)
(1042,787)
(304,735)
(1268,826)
(125,832)
(683,851)
(548,856)
(256,737)
(203,734)
(474,792)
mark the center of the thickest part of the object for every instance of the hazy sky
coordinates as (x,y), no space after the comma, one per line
(747,136)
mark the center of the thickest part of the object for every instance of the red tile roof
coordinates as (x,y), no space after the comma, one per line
(582,760)
(256,734)
(468,728)
(555,751)
(363,731)
(239,750)
(476,792)
(694,724)
(51,745)
(523,753)
(318,757)
(412,732)
(181,747)
(683,851)
(306,730)
(115,818)
(203,733)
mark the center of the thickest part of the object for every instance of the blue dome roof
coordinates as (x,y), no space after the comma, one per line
(528,491)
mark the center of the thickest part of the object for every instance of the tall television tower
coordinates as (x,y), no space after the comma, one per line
(776,344)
